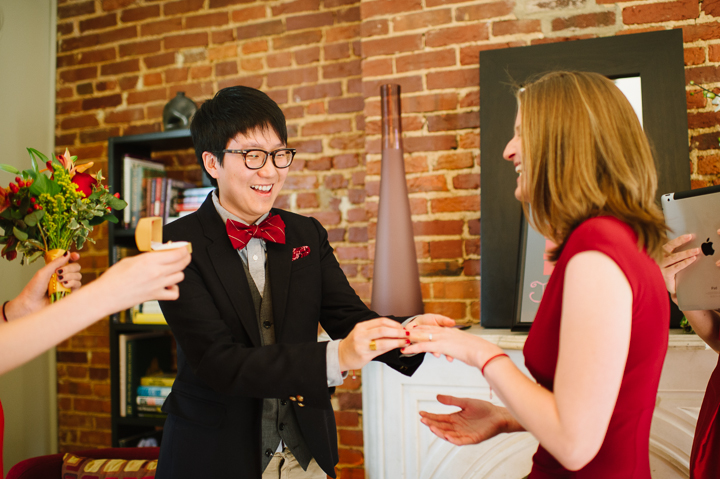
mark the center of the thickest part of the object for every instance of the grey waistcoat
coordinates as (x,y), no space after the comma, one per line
(278,418)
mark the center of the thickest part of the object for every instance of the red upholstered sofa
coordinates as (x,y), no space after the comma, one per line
(50,466)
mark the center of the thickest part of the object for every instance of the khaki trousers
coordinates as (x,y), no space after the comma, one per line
(283,465)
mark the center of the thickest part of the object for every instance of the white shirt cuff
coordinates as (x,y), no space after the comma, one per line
(335,377)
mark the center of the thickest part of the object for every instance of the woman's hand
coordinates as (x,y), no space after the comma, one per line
(476,421)
(468,348)
(354,351)
(144,277)
(430,319)
(34,295)
(673,262)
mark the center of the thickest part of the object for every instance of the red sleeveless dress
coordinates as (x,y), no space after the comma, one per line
(705,455)
(625,450)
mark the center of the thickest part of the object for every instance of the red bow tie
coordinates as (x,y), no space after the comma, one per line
(271,229)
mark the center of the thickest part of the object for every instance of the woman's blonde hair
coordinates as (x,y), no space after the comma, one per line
(585,155)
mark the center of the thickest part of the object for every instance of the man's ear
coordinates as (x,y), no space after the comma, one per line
(211,163)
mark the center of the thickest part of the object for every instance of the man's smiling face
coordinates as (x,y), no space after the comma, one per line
(246,193)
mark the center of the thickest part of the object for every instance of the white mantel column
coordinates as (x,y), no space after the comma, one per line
(398,445)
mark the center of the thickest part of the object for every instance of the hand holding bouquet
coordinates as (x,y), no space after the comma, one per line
(45,215)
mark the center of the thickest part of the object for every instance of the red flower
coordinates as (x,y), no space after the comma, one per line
(84,182)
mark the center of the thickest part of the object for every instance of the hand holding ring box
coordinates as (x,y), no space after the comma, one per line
(148,236)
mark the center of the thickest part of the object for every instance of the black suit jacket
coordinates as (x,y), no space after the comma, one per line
(213,426)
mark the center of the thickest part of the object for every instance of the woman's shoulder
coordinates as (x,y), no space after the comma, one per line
(602,233)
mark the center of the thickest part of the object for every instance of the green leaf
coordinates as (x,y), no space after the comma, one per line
(33,218)
(117,203)
(36,243)
(10,169)
(19,234)
(34,256)
(33,152)
(41,185)
(73,225)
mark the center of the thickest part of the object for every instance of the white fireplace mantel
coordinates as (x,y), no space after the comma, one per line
(398,445)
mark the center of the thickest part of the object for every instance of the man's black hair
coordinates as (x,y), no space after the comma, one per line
(234,110)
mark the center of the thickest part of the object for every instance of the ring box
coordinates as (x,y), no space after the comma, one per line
(148,236)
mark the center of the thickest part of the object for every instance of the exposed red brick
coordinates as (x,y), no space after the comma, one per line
(292,77)
(708,165)
(456,203)
(375,28)
(297,39)
(405,43)
(701,75)
(76,9)
(453,121)
(125,116)
(182,6)
(65,28)
(661,12)
(322,90)
(336,51)
(307,55)
(161,27)
(377,66)
(313,20)
(78,74)
(222,36)
(469,55)
(334,182)
(453,310)
(348,15)
(345,105)
(701,31)
(421,20)
(76,43)
(326,127)
(455,35)
(484,10)
(342,69)
(207,20)
(588,20)
(109,5)
(146,96)
(469,77)
(157,61)
(98,23)
(116,35)
(407,85)
(118,68)
(466,182)
(694,55)
(296,6)
(186,40)
(138,14)
(513,27)
(373,8)
(426,60)
(101,102)
(140,48)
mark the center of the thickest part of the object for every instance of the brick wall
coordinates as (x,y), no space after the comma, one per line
(120,61)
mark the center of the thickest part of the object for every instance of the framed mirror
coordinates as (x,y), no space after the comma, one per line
(656,58)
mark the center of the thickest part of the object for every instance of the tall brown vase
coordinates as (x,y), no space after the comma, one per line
(396,280)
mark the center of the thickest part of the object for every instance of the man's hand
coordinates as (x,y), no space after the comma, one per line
(476,421)
(672,263)
(34,296)
(355,351)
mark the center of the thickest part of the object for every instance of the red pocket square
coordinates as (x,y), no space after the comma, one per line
(300,252)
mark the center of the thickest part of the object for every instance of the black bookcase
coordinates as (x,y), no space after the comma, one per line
(143,146)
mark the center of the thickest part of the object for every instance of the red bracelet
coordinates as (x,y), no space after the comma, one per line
(3,311)
(499,355)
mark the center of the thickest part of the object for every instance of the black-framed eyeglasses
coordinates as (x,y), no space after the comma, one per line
(256,158)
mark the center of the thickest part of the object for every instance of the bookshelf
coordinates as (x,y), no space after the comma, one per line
(119,236)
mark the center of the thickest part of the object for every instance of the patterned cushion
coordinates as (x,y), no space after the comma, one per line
(78,467)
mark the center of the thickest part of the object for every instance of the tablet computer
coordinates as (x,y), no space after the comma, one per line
(697,212)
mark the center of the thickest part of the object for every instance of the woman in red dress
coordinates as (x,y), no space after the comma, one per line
(705,453)
(598,342)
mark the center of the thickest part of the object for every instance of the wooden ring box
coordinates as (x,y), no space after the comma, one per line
(148,236)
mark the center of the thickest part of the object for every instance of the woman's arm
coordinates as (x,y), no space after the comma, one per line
(129,282)
(572,421)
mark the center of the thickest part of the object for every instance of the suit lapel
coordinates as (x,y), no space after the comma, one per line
(229,269)
(279,258)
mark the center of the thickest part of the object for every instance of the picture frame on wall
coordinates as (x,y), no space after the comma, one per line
(655,57)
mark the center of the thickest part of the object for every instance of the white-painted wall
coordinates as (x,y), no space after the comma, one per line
(27,118)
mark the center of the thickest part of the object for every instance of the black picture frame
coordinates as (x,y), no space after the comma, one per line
(656,57)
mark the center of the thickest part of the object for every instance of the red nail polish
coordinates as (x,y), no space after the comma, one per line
(402,350)
(407,341)
(59,271)
(407,333)
(60,277)
(66,253)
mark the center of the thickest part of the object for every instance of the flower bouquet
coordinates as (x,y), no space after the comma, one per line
(45,215)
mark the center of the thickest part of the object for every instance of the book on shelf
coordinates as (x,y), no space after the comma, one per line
(135,171)
(192,198)
(155,409)
(143,439)
(159,379)
(174,192)
(157,391)
(141,354)
(150,401)
(148,312)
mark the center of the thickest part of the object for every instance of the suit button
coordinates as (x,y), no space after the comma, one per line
(283,402)
(268,452)
(301,404)
(267,324)
(281,426)
(293,398)
(300,398)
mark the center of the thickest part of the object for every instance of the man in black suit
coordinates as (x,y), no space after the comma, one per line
(252,394)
